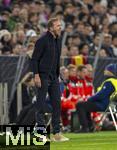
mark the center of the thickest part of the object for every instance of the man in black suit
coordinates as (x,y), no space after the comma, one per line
(46,63)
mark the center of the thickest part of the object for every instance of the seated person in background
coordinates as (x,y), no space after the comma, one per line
(28,89)
(100,101)
(96,116)
(29,92)
(27,114)
(72,73)
(81,83)
(66,103)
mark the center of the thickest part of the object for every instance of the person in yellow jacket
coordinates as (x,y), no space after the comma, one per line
(99,101)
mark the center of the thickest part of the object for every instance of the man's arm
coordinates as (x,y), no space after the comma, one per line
(104,93)
(36,56)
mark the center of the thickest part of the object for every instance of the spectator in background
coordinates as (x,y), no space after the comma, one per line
(72,82)
(114,45)
(69,29)
(66,103)
(113,28)
(73,51)
(112,14)
(94,45)
(81,22)
(69,41)
(28,87)
(19,26)
(21,37)
(81,83)
(90,71)
(5,42)
(84,49)
(103,53)
(68,14)
(88,33)
(5,15)
(33,20)
(14,17)
(23,15)
(72,73)
(80,29)
(30,48)
(107,44)
(6,51)
(76,41)
(89,80)
(64,52)
(96,116)
(27,114)
(17,50)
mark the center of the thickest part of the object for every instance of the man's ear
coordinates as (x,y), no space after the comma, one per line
(51,29)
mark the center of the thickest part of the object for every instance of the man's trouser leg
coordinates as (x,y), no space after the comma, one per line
(84,109)
(21,117)
(54,93)
(40,104)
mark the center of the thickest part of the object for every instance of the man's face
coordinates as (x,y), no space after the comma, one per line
(57,28)
(89,70)
(83,73)
(107,41)
(115,42)
(96,40)
(73,72)
(66,74)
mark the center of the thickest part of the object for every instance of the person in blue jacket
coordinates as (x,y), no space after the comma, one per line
(99,101)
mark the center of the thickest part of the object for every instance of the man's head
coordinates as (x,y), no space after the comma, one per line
(111,70)
(89,70)
(64,72)
(72,70)
(54,26)
(82,71)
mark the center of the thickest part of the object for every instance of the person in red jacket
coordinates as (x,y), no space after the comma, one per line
(96,116)
(66,103)
(72,73)
(81,83)
(89,80)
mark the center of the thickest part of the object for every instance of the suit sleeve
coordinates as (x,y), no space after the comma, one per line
(104,93)
(36,56)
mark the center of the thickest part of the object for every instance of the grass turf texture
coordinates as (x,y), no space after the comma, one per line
(90,141)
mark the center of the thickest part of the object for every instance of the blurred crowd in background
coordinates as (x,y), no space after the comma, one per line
(23,21)
(83,22)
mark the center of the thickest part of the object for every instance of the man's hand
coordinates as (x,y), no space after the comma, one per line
(37,80)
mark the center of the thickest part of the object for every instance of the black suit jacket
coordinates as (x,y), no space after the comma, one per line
(44,55)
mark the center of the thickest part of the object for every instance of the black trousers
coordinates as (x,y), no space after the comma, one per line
(53,89)
(26,116)
(84,110)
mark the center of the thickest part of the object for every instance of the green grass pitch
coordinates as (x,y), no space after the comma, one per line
(90,141)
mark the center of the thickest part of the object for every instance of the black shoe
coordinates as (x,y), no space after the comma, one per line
(83,130)
(92,129)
